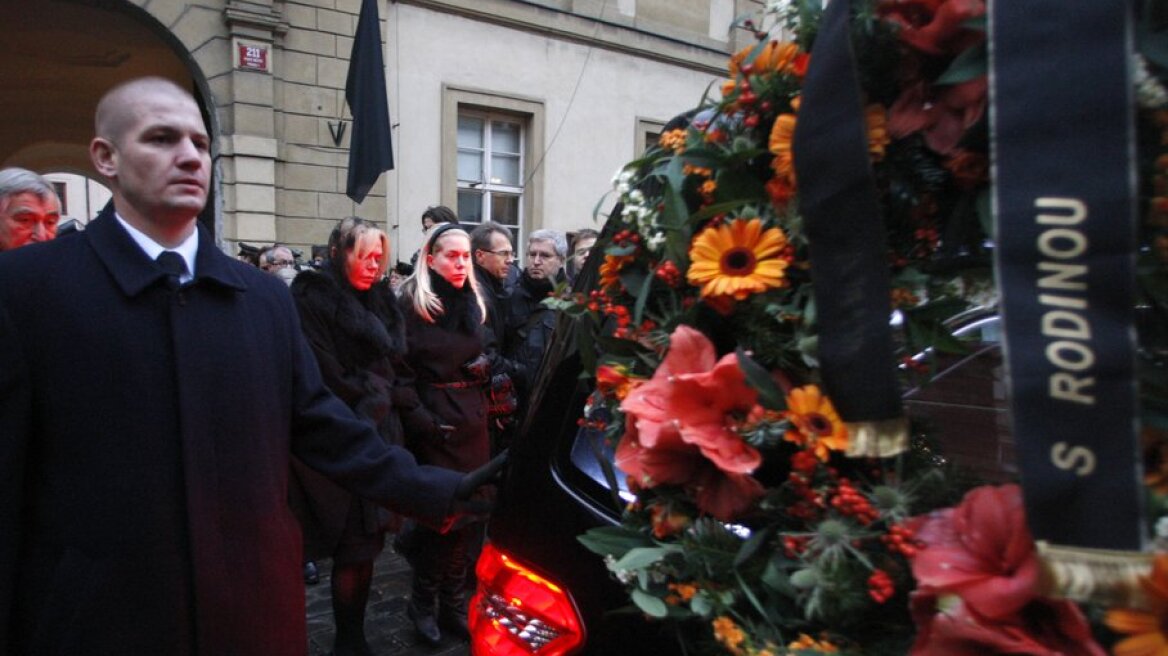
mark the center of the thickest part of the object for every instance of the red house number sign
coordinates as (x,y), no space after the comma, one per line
(253,57)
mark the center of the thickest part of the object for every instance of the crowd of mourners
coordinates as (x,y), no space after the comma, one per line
(437,356)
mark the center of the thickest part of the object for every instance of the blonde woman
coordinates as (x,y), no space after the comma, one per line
(444,313)
(351,319)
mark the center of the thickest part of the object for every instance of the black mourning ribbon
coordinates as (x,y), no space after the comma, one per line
(174,266)
(848,244)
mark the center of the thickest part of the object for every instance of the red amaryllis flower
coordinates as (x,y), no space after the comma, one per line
(676,428)
(981,551)
(937,27)
(1044,627)
(941,116)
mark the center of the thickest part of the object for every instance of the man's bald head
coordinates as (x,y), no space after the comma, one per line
(115,109)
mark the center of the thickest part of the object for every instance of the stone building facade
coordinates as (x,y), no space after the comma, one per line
(516,110)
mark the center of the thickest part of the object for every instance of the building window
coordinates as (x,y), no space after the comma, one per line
(647,134)
(491,170)
(490,142)
(62,194)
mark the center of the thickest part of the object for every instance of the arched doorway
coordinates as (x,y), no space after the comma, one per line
(57,59)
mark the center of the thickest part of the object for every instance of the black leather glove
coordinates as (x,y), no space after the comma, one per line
(489,474)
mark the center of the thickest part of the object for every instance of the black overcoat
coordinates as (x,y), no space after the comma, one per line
(145,437)
(359,341)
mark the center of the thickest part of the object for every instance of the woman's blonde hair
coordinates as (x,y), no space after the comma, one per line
(419,286)
(355,233)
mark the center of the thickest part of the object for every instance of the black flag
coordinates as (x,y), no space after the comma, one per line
(370,144)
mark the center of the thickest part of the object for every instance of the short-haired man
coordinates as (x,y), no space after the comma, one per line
(29,209)
(582,243)
(491,249)
(279,261)
(146,511)
(530,322)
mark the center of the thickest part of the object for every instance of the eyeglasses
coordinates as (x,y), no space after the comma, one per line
(506,255)
(534,255)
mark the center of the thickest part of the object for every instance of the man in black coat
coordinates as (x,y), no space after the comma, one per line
(529,321)
(492,253)
(149,405)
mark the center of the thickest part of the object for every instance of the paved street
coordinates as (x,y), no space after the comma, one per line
(389,631)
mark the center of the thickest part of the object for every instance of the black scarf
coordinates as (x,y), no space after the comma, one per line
(460,308)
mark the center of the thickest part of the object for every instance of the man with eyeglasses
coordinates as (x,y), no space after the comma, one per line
(279,261)
(530,322)
(493,254)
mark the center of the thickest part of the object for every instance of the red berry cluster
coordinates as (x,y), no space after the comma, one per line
(625,237)
(849,502)
(880,586)
(595,298)
(805,462)
(668,273)
(810,503)
(795,545)
(901,539)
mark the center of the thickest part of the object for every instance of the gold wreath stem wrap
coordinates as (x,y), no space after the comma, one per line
(1098,575)
(877,439)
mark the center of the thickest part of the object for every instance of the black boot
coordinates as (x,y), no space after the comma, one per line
(425,624)
(452,619)
(350,592)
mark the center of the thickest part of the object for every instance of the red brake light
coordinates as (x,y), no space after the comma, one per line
(516,612)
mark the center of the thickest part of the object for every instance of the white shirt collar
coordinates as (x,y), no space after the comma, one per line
(187,249)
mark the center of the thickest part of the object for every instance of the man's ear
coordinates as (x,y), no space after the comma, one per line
(104,156)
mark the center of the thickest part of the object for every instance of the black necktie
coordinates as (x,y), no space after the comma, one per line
(174,266)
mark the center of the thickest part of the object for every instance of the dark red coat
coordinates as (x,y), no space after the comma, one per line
(438,353)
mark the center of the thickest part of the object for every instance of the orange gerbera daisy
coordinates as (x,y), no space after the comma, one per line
(1146,629)
(610,269)
(737,259)
(782,132)
(816,422)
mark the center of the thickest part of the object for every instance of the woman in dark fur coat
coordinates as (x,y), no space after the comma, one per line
(357,332)
(444,313)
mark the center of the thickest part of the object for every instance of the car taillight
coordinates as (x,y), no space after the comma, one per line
(516,612)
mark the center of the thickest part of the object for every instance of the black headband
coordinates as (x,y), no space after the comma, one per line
(442,228)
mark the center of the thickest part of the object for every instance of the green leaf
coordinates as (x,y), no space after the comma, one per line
(652,606)
(642,298)
(700,605)
(970,64)
(641,557)
(613,540)
(805,578)
(762,611)
(718,208)
(769,395)
(676,212)
(757,539)
(775,578)
(736,183)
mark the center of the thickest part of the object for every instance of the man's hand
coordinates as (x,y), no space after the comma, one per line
(489,474)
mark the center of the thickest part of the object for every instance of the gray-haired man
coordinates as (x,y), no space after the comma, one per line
(29,209)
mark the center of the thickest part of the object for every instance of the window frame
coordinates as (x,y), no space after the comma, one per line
(529,114)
